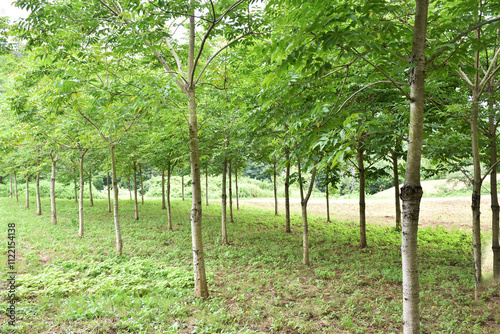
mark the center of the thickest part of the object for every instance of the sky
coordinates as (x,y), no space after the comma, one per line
(6,9)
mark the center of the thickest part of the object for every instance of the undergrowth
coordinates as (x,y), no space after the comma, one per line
(257,284)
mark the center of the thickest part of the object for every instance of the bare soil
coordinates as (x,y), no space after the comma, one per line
(450,213)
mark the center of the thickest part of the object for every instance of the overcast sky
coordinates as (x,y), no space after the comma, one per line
(6,9)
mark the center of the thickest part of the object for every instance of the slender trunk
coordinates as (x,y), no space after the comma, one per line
(182,186)
(275,190)
(396,188)
(136,205)
(224,203)
(15,187)
(75,181)
(476,183)
(206,185)
(362,202)
(287,193)
(109,194)
(142,184)
(327,203)
(237,191)
(200,279)
(80,201)
(495,209)
(129,188)
(231,218)
(27,191)
(53,212)
(169,208)
(163,203)
(90,188)
(411,193)
(11,190)
(303,204)
(118,233)
(38,201)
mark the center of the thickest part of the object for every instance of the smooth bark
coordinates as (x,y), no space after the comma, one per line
(163,202)
(109,193)
(142,184)
(80,201)
(116,216)
(275,190)
(477,181)
(411,193)
(327,204)
(287,193)
(231,217)
(206,185)
(224,204)
(90,188)
(169,207)
(397,204)
(11,190)
(362,201)
(303,205)
(53,211)
(495,208)
(136,204)
(237,190)
(129,188)
(200,279)
(75,182)
(38,200)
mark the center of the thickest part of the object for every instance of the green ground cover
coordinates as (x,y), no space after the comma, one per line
(257,284)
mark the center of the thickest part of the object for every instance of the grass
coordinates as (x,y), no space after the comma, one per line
(257,285)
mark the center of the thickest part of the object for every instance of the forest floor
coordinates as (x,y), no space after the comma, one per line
(257,284)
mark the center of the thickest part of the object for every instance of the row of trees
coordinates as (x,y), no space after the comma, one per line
(308,84)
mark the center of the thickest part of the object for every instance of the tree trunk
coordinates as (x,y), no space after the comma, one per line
(224,204)
(109,194)
(411,193)
(231,218)
(237,191)
(495,209)
(80,201)
(169,207)
(11,190)
(38,201)
(129,188)
(142,184)
(362,202)
(15,187)
(275,190)
(287,193)
(206,185)
(136,205)
(163,203)
(476,183)
(200,279)
(118,233)
(75,181)
(90,188)
(27,191)
(53,212)
(182,186)
(303,204)
(396,187)
(327,204)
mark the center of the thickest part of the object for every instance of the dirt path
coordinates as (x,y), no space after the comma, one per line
(450,213)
